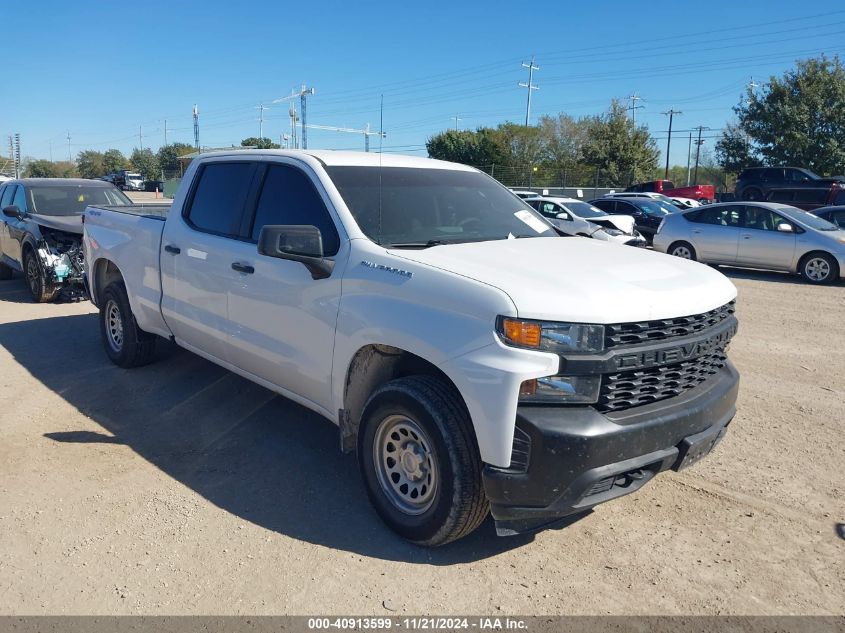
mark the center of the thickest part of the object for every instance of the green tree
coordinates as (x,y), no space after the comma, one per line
(145,162)
(564,137)
(799,118)
(481,147)
(41,169)
(168,156)
(733,150)
(66,169)
(259,143)
(114,160)
(623,152)
(89,163)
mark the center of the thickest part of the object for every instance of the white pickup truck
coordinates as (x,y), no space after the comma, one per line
(476,360)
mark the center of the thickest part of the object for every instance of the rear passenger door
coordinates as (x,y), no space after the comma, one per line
(714,232)
(283,320)
(197,252)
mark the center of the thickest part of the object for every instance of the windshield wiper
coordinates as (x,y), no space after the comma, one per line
(427,244)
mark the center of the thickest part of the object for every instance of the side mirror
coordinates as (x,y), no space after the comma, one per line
(563,216)
(785,228)
(12,211)
(298,243)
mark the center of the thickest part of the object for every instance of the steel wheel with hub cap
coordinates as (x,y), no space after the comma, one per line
(126,344)
(419,460)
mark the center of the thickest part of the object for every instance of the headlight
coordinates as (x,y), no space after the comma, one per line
(550,336)
(614,232)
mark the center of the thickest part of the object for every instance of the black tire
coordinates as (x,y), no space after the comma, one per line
(5,272)
(36,279)
(819,268)
(684,250)
(126,344)
(457,503)
(752,193)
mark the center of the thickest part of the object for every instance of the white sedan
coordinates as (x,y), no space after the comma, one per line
(576,217)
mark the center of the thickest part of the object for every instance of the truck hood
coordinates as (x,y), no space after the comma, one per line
(624,223)
(69,223)
(583,280)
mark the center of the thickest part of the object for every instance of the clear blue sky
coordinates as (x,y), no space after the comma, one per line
(99,70)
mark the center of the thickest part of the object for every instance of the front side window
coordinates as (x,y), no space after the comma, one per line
(288,197)
(415,207)
(8,193)
(219,197)
(20,199)
(762,219)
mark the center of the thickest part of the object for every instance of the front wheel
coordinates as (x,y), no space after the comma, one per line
(419,461)
(36,279)
(126,344)
(819,268)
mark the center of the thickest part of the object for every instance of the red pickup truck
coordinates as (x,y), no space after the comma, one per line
(668,188)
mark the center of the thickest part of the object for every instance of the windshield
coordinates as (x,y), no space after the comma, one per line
(584,209)
(652,207)
(425,207)
(133,176)
(72,199)
(808,219)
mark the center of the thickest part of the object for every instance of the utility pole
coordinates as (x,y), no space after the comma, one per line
(69,158)
(140,139)
(196,129)
(634,107)
(530,86)
(698,144)
(261,108)
(456,121)
(689,154)
(51,151)
(165,131)
(671,114)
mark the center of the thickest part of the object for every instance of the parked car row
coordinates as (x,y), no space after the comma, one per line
(126,180)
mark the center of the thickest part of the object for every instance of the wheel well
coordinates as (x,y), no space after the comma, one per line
(105,273)
(371,367)
(806,256)
(676,242)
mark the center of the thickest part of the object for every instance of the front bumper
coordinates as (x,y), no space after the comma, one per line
(569,459)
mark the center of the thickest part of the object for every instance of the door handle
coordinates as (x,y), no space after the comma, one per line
(243,268)
(746,236)
(696,231)
(173,249)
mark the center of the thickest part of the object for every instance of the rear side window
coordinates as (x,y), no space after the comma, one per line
(289,197)
(219,197)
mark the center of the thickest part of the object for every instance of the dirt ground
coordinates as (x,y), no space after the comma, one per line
(182,488)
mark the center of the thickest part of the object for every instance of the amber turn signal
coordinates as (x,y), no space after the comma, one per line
(524,333)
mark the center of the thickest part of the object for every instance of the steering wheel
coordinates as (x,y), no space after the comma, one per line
(466,221)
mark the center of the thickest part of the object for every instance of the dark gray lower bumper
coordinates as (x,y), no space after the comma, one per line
(573,458)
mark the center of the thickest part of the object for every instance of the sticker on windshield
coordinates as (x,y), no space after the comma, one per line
(531,220)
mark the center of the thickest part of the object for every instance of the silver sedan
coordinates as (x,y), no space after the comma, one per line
(756,235)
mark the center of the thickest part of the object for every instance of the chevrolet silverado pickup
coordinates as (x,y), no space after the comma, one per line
(476,360)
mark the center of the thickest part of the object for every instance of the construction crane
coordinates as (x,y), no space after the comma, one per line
(366,132)
(302,93)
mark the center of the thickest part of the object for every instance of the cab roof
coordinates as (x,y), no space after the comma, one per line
(337,158)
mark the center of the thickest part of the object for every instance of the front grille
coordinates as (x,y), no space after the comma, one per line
(626,389)
(662,329)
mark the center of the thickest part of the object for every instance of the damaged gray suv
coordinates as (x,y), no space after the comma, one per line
(41,232)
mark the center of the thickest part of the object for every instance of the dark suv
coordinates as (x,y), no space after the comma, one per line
(756,183)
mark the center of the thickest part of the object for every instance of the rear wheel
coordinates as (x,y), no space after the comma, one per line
(684,250)
(419,461)
(36,279)
(126,344)
(819,268)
